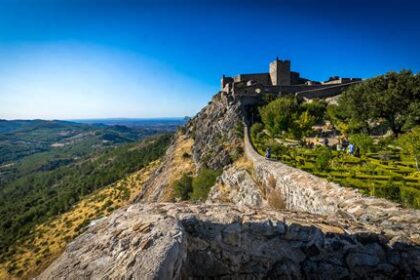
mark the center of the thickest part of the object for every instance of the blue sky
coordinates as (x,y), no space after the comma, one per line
(117,58)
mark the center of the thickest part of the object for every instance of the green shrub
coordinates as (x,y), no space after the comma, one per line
(410,197)
(316,108)
(362,141)
(183,187)
(82,225)
(239,130)
(236,153)
(202,183)
(278,150)
(322,161)
(256,128)
(389,191)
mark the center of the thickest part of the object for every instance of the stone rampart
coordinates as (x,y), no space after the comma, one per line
(324,92)
(304,192)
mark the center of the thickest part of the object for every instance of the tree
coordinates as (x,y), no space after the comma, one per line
(410,143)
(316,108)
(288,114)
(391,99)
(323,159)
(278,115)
(302,126)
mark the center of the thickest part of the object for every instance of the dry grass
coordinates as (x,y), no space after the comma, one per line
(271,182)
(48,240)
(244,163)
(223,192)
(275,200)
(179,164)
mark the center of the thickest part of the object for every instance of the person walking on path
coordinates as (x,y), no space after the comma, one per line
(268,153)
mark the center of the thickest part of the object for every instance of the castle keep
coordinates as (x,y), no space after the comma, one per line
(281,80)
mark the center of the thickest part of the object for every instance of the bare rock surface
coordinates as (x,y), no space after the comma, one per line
(237,186)
(203,241)
(214,132)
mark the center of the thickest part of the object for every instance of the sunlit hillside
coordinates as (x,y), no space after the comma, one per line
(49,239)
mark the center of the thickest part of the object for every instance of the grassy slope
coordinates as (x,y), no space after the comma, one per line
(178,161)
(49,239)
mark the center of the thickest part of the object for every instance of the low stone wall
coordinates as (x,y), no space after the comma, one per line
(304,192)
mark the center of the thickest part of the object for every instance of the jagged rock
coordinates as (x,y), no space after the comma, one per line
(202,241)
(236,186)
(213,129)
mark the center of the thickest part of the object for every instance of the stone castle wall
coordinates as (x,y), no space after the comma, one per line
(324,92)
(304,192)
(262,78)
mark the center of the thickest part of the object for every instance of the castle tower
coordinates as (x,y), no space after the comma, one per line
(280,72)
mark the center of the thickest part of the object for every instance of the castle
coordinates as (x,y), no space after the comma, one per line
(280,80)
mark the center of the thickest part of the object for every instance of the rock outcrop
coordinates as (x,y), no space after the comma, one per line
(180,241)
(215,132)
(237,186)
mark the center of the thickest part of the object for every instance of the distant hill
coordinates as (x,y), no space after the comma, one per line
(22,138)
(47,166)
(156,123)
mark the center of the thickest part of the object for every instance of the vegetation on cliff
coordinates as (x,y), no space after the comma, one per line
(197,187)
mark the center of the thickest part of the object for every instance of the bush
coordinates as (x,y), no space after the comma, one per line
(389,191)
(410,143)
(202,183)
(236,153)
(239,130)
(363,141)
(82,225)
(410,197)
(183,187)
(278,150)
(322,161)
(256,128)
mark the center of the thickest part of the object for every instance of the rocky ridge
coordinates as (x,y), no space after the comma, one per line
(217,141)
(242,232)
(181,241)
